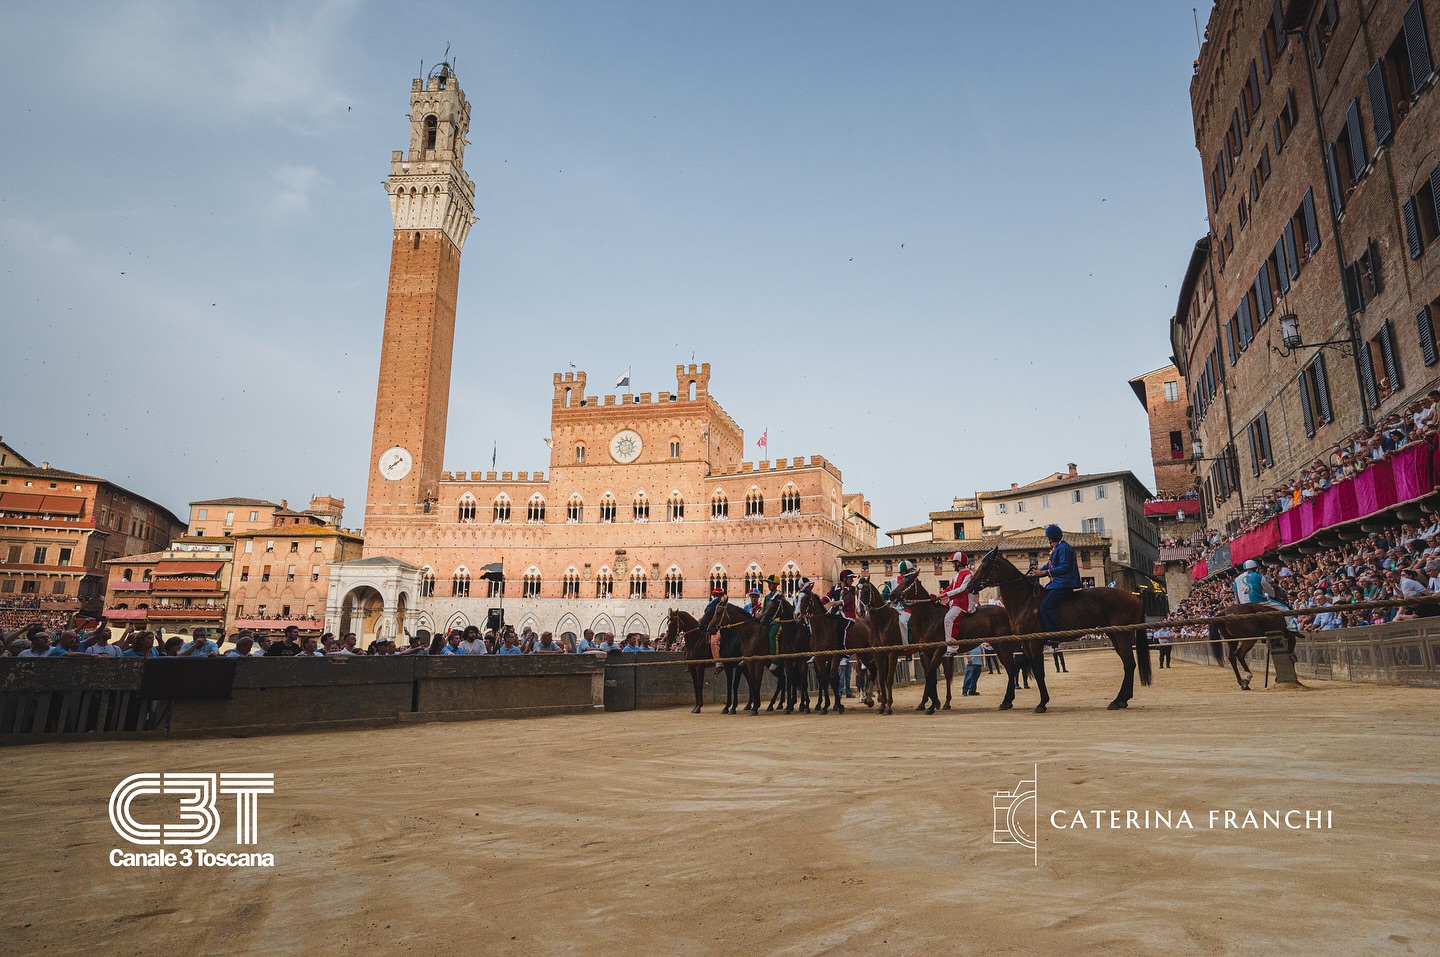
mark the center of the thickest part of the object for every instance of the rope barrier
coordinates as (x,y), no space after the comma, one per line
(901,650)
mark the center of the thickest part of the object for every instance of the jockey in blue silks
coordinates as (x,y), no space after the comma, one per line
(1064,574)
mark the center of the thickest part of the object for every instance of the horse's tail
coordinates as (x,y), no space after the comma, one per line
(1142,654)
(1217,646)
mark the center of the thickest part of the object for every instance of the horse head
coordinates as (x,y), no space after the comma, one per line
(987,573)
(909,590)
(868,594)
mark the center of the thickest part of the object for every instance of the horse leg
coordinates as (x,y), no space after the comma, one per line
(891,663)
(732,686)
(803,669)
(1127,686)
(949,664)
(867,671)
(835,689)
(697,679)
(1239,651)
(755,674)
(1035,658)
(1006,658)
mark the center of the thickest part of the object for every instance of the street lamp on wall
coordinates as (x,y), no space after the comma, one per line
(1291,341)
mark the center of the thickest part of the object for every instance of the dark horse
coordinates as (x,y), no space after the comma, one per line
(875,637)
(682,625)
(1240,636)
(737,624)
(927,625)
(824,636)
(1088,607)
(792,675)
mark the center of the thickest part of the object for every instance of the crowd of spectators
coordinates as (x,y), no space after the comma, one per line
(1401,561)
(1417,422)
(35,638)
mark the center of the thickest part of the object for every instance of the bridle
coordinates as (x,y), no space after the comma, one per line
(679,631)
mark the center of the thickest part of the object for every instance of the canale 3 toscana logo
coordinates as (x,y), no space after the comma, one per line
(196,820)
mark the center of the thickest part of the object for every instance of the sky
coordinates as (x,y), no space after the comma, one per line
(929,241)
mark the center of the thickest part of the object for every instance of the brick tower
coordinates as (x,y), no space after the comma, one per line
(432,202)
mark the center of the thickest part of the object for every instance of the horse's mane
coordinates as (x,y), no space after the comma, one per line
(741,611)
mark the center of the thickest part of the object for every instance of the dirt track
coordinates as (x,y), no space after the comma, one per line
(666,833)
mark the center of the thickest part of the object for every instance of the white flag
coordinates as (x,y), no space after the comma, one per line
(623,381)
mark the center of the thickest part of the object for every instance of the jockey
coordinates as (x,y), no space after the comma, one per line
(754,596)
(1254,588)
(962,602)
(777,610)
(1064,575)
(843,597)
(717,598)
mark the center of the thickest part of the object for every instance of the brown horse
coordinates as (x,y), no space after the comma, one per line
(824,636)
(927,626)
(1241,636)
(1088,607)
(737,625)
(875,637)
(792,675)
(683,626)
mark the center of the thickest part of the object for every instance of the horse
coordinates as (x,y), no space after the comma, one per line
(736,624)
(1089,607)
(792,675)
(682,625)
(824,636)
(1240,636)
(927,626)
(876,638)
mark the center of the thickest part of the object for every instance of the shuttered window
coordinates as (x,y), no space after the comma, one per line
(1263,431)
(1263,295)
(1312,226)
(1291,254)
(1435,194)
(1427,335)
(1246,330)
(1379,104)
(1367,374)
(1356,135)
(1322,389)
(1413,242)
(1389,357)
(1230,340)
(1332,178)
(1305,409)
(1417,46)
(1282,266)
(1254,448)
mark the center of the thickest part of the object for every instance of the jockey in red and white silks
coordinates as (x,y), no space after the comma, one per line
(961,601)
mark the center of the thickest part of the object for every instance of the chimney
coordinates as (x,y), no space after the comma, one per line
(1071,467)
(1014,486)
(44,465)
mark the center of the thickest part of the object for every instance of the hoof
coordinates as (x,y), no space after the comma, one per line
(929,710)
(1006,705)
(695,710)
(789,710)
(1039,709)
(839,709)
(919,707)
(945,707)
(1117,706)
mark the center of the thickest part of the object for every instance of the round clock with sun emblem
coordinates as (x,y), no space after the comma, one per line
(625,446)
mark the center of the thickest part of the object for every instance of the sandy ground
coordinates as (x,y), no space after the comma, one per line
(667,833)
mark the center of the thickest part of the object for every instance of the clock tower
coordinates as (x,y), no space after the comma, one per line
(432,203)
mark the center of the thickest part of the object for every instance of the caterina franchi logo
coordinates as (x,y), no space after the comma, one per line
(1018,817)
(196,821)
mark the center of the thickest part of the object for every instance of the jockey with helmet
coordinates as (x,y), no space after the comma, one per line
(776,608)
(1064,574)
(958,595)
(717,598)
(754,601)
(1254,588)
(843,596)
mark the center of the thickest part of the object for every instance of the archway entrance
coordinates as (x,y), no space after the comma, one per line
(360,612)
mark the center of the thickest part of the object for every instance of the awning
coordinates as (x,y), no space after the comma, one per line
(63,505)
(188,568)
(20,502)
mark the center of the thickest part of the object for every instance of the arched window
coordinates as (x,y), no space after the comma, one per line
(579,455)
(460,583)
(607,508)
(531,587)
(567,398)
(427,582)
(431,128)
(502,509)
(754,578)
(754,503)
(570,584)
(790,501)
(719,506)
(128,575)
(575,510)
(467,508)
(675,508)
(718,578)
(604,582)
(496,587)
(146,576)
(535,511)
(641,507)
(674,583)
(638,581)
(790,579)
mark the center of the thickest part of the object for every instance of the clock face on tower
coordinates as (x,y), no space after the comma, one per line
(396,462)
(625,446)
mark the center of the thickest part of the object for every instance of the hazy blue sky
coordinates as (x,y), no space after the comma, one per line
(194,242)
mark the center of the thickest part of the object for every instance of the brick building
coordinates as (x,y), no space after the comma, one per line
(173,591)
(1162,394)
(1318,127)
(282,574)
(58,528)
(646,500)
